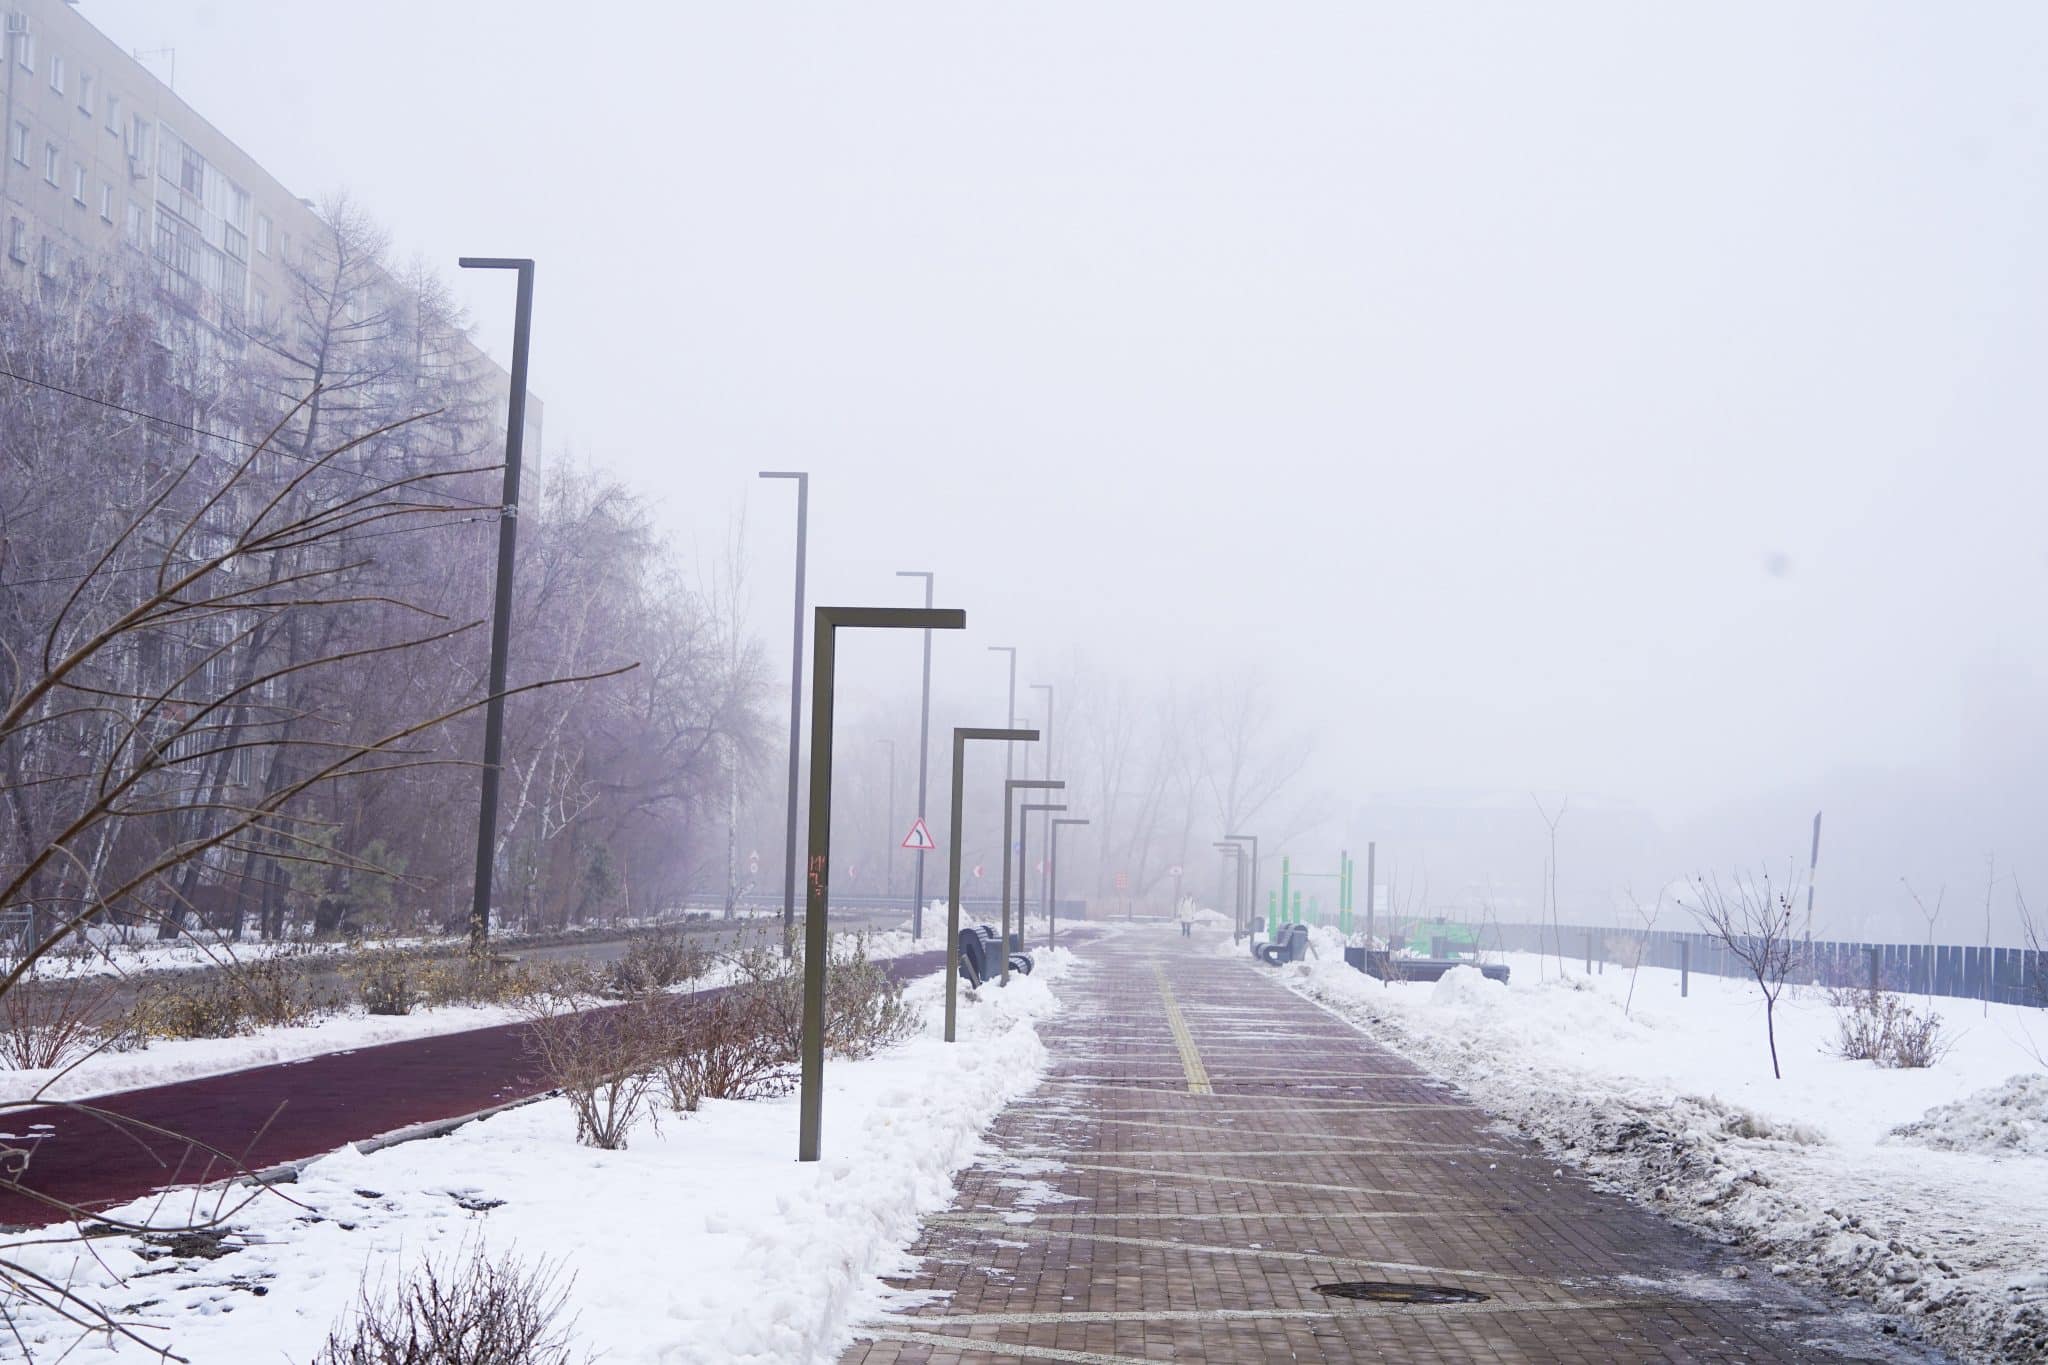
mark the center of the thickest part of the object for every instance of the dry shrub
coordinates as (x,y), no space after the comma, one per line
(474,1312)
(1917,1041)
(202,1005)
(46,1023)
(276,991)
(723,1047)
(389,981)
(1876,1026)
(864,1008)
(657,960)
(603,1061)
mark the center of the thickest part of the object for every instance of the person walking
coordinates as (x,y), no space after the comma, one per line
(1187,919)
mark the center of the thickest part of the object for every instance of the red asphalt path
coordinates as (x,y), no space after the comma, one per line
(270,1115)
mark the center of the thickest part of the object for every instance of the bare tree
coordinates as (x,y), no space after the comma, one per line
(1754,919)
(1649,922)
(1931,914)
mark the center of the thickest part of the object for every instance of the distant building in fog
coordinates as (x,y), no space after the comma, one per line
(106,166)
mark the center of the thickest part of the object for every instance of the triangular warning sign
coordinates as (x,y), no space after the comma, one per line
(919,837)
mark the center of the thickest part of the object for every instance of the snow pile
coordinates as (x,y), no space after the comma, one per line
(1673,1100)
(2008,1118)
(704,1241)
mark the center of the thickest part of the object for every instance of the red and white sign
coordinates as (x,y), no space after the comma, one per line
(919,837)
(977,871)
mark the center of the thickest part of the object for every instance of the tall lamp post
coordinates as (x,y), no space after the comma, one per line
(811,1096)
(1009,754)
(888,830)
(1047,689)
(1233,854)
(1011,786)
(1052,876)
(961,734)
(1252,895)
(1023,867)
(796,701)
(501,605)
(924,737)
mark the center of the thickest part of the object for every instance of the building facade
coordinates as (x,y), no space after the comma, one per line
(105,166)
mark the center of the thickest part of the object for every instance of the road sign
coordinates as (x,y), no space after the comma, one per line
(1174,872)
(754,863)
(977,871)
(1123,882)
(919,837)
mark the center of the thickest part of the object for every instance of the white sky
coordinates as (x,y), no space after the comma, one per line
(1466,365)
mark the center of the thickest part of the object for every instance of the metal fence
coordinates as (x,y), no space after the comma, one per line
(2009,976)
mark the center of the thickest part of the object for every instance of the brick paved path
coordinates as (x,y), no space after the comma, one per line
(1209,1147)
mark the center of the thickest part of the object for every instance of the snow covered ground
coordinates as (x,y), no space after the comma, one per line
(704,1241)
(1674,1101)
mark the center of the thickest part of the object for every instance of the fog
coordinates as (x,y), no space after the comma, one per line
(1627,405)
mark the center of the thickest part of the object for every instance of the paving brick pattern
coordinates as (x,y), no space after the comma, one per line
(1123,1215)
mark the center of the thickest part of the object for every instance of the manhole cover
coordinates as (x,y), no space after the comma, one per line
(1379,1291)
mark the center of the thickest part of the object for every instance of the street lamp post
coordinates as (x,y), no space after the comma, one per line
(811,1096)
(961,734)
(501,605)
(1012,785)
(796,701)
(1052,876)
(888,830)
(1010,753)
(1253,894)
(924,736)
(1047,689)
(1024,867)
(1233,854)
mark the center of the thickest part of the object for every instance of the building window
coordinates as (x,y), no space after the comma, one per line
(47,262)
(259,301)
(17,240)
(135,223)
(57,72)
(262,231)
(114,115)
(25,52)
(85,94)
(53,161)
(18,144)
(106,202)
(78,186)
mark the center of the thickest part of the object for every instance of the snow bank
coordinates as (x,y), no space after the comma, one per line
(1673,1101)
(2008,1118)
(704,1241)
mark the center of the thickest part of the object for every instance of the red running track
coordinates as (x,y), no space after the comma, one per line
(270,1115)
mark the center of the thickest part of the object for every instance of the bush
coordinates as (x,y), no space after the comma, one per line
(723,1047)
(864,1008)
(657,960)
(477,1312)
(602,1061)
(391,981)
(202,1005)
(46,1024)
(1875,1026)
(276,991)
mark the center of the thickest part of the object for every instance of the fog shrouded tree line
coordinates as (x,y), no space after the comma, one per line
(234,570)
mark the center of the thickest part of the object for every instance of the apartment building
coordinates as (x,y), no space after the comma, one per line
(103,158)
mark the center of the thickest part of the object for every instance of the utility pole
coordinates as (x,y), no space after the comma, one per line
(796,703)
(924,738)
(501,605)
(1046,886)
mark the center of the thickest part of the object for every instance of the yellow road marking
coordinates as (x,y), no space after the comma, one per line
(1190,1056)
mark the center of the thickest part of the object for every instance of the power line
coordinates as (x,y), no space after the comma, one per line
(203,431)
